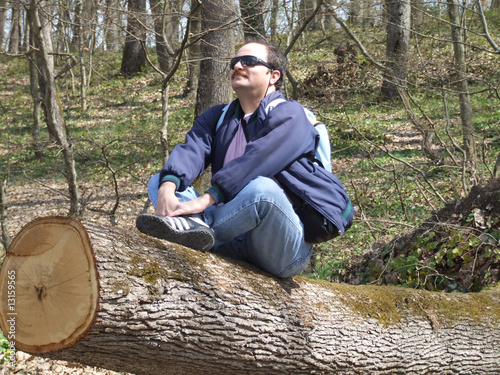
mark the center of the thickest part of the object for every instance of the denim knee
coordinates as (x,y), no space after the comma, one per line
(264,186)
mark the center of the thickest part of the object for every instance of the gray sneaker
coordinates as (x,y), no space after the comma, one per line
(190,231)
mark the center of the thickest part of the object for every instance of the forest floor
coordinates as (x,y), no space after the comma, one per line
(473,218)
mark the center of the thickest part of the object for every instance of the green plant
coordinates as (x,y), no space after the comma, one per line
(6,352)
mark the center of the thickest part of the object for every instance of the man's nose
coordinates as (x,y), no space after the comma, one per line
(238,65)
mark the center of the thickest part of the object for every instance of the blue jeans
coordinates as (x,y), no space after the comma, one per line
(258,226)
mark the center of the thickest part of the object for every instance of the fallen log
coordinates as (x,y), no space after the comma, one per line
(120,300)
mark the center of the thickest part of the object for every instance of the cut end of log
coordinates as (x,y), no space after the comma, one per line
(49,286)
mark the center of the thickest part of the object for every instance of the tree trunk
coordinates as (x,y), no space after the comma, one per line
(5,240)
(113,26)
(193,53)
(216,48)
(15,29)
(82,33)
(354,11)
(3,20)
(274,20)
(418,14)
(330,22)
(398,39)
(35,94)
(460,77)
(252,17)
(162,308)
(164,33)
(164,122)
(134,57)
(37,108)
(56,124)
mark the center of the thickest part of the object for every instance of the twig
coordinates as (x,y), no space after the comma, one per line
(360,204)
(485,28)
(405,163)
(421,188)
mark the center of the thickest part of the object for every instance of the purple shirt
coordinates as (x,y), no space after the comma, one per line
(238,144)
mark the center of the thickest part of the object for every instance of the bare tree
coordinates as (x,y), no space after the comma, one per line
(165,32)
(216,48)
(5,239)
(175,58)
(252,16)
(398,39)
(418,14)
(53,112)
(193,53)
(460,77)
(3,19)
(134,56)
(496,48)
(274,20)
(35,95)
(15,29)
(112,26)
(81,36)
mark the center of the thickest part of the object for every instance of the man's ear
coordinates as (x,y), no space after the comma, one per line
(275,76)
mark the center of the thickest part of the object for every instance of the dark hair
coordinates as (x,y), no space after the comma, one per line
(275,57)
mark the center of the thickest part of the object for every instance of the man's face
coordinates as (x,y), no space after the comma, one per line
(251,79)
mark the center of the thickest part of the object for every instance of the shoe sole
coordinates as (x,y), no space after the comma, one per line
(199,239)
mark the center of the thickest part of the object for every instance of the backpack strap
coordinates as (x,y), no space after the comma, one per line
(221,118)
(273,104)
(324,150)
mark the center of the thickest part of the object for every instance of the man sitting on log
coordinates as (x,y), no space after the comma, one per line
(269,200)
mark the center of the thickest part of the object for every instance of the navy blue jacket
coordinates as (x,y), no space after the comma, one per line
(281,144)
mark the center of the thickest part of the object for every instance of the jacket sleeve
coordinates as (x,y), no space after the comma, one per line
(189,159)
(277,140)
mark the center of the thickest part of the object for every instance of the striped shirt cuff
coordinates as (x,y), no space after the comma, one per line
(173,179)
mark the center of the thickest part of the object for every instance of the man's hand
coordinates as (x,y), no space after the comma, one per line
(167,201)
(195,206)
(169,205)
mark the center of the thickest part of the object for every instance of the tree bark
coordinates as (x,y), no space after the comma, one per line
(81,36)
(398,39)
(216,48)
(15,29)
(164,308)
(5,240)
(56,123)
(3,20)
(134,57)
(35,94)
(37,109)
(193,54)
(463,87)
(112,26)
(273,27)
(164,33)
(252,15)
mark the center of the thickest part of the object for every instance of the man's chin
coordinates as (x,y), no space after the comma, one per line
(237,82)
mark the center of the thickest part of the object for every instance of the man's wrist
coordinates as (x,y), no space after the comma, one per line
(168,187)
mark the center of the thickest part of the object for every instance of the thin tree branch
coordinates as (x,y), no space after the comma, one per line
(302,28)
(485,28)
(359,44)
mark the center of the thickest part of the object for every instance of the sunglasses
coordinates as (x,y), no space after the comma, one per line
(249,60)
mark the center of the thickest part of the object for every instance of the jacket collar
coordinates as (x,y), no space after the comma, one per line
(238,112)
